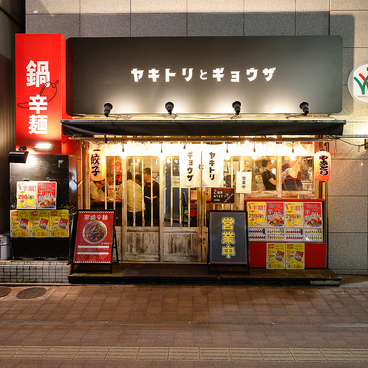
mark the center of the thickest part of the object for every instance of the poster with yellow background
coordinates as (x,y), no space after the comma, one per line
(275,254)
(19,224)
(295,255)
(256,214)
(39,220)
(293,214)
(59,223)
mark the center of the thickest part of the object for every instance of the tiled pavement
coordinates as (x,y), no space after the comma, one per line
(175,326)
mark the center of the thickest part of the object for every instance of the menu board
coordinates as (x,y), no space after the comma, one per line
(59,223)
(39,224)
(295,255)
(292,221)
(275,253)
(94,237)
(26,194)
(33,195)
(19,224)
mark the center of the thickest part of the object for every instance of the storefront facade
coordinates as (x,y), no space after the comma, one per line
(181,232)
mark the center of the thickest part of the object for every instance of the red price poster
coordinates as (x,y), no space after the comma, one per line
(275,214)
(94,237)
(293,214)
(46,195)
(313,214)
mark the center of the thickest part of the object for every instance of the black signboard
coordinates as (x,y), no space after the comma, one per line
(227,238)
(267,74)
(222,195)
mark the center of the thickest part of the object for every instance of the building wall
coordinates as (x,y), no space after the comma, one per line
(348,189)
(11,22)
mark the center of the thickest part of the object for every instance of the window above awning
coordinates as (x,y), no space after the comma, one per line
(203,128)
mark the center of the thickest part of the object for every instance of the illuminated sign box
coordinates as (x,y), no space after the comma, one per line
(204,74)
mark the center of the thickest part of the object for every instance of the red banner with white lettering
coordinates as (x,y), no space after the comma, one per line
(40,71)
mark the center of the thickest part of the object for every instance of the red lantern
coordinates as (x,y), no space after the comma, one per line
(322,166)
(97,165)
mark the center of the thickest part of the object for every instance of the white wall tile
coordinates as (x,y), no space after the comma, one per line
(349,5)
(158,6)
(52,7)
(104,6)
(215,6)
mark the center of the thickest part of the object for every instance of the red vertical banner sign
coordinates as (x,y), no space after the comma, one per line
(40,70)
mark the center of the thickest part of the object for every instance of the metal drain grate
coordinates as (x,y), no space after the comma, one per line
(31,293)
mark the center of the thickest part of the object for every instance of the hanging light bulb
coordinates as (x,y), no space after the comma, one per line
(227,156)
(162,157)
(292,156)
(254,154)
(123,155)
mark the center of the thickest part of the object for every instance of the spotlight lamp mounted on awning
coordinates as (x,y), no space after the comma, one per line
(305,108)
(236,107)
(107,109)
(169,106)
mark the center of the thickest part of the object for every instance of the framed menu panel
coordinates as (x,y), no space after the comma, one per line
(227,238)
(94,237)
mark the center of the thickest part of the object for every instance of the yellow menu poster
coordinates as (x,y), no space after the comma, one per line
(26,194)
(275,254)
(59,223)
(39,220)
(293,214)
(256,214)
(295,255)
(19,224)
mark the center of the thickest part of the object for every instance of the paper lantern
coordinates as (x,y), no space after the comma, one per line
(322,166)
(97,165)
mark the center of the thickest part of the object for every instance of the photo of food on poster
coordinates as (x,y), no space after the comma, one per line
(59,223)
(275,214)
(46,195)
(94,238)
(256,214)
(19,224)
(295,255)
(275,254)
(26,195)
(293,214)
(39,224)
(313,214)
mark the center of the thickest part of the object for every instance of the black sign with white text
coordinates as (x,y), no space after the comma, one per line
(204,74)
